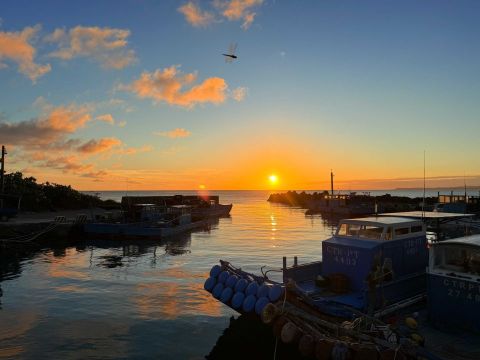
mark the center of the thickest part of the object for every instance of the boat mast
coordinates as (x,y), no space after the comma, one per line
(331,180)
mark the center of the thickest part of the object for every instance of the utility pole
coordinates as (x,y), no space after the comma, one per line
(2,170)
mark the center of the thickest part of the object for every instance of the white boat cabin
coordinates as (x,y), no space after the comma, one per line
(380,228)
(457,258)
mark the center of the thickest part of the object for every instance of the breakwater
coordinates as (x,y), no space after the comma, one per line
(385,202)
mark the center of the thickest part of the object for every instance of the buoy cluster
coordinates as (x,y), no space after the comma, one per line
(243,294)
(323,340)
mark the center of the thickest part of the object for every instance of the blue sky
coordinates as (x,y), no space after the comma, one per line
(363,87)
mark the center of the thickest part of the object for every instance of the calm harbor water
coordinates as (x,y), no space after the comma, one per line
(144,299)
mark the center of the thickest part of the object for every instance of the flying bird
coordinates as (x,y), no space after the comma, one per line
(231,53)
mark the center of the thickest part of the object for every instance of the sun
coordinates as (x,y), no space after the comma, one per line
(273,179)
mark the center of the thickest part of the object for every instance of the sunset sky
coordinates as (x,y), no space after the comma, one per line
(136,94)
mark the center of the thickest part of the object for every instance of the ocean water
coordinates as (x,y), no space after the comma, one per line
(145,299)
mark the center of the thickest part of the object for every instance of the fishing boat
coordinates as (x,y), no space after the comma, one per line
(342,204)
(365,299)
(201,206)
(147,221)
(371,266)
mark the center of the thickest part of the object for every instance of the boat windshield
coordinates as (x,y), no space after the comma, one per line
(361,231)
(458,259)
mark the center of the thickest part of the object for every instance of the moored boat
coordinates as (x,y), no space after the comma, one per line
(147,221)
(201,206)
(370,268)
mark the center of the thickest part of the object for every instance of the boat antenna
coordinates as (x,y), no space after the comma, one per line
(423,202)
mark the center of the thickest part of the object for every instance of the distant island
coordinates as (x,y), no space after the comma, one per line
(443,188)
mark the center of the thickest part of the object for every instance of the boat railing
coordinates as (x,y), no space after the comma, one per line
(303,272)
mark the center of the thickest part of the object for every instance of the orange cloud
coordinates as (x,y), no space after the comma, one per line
(232,10)
(248,20)
(166,85)
(176,133)
(238,10)
(16,47)
(96,146)
(195,16)
(105,45)
(69,163)
(44,142)
(134,150)
(67,119)
(49,129)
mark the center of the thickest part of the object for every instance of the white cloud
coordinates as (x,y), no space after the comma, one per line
(108,118)
(239,93)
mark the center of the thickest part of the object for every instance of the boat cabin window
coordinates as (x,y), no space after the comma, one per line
(371,232)
(402,231)
(361,231)
(458,259)
(416,228)
(389,234)
(348,230)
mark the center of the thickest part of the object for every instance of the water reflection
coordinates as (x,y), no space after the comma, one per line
(18,326)
(170,299)
(329,221)
(110,261)
(108,299)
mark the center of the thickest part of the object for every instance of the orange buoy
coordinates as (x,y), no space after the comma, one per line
(269,313)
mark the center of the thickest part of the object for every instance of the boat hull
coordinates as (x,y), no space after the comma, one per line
(218,210)
(453,302)
(132,230)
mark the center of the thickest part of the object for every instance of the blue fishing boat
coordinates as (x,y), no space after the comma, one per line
(368,264)
(371,267)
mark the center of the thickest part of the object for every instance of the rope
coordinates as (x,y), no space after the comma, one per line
(30,237)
